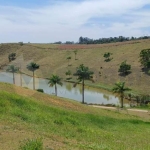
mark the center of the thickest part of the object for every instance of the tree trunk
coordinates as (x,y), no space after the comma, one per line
(75,57)
(33,81)
(83,91)
(55,90)
(13,78)
(121,101)
(20,79)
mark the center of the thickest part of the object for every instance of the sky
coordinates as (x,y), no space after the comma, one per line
(46,21)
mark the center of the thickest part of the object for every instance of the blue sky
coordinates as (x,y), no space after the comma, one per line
(45,21)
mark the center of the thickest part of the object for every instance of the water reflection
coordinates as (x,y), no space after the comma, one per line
(106,97)
(68,86)
(92,95)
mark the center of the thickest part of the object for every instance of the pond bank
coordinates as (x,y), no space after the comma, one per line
(137,112)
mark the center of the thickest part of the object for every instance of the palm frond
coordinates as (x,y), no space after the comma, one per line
(32,66)
(12,69)
(54,79)
(83,73)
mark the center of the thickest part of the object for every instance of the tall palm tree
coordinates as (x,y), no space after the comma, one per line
(13,70)
(83,73)
(33,67)
(54,80)
(120,89)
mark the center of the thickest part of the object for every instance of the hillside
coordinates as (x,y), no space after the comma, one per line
(52,59)
(64,124)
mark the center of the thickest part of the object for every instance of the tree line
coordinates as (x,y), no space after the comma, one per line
(86,40)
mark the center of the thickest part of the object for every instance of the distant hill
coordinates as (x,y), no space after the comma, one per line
(52,59)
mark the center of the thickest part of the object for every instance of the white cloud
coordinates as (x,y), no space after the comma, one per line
(66,20)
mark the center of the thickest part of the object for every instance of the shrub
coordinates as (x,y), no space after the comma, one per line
(40,90)
(107,56)
(12,57)
(21,43)
(124,68)
(145,58)
(31,144)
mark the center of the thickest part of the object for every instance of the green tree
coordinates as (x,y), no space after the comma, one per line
(120,89)
(124,68)
(54,80)
(75,53)
(33,67)
(107,56)
(13,70)
(83,73)
(68,58)
(12,57)
(145,58)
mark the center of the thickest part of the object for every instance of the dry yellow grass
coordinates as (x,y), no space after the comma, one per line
(52,59)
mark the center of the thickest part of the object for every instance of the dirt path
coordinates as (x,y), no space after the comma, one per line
(137,112)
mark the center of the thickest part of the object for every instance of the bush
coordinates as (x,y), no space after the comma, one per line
(31,144)
(40,90)
(107,56)
(21,43)
(145,58)
(124,68)
(12,57)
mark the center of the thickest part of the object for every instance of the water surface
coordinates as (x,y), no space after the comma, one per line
(92,95)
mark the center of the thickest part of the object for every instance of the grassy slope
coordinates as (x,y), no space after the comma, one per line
(65,124)
(52,59)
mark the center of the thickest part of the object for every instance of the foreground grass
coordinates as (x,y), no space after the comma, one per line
(72,127)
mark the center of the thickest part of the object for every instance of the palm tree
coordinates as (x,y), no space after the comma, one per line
(32,67)
(120,89)
(75,52)
(68,58)
(54,80)
(83,74)
(13,70)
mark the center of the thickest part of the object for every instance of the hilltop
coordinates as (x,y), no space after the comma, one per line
(52,59)
(65,124)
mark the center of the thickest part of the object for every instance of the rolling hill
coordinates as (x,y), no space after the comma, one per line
(52,60)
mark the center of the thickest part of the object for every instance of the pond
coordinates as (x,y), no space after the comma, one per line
(92,95)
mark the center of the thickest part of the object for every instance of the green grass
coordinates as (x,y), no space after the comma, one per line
(93,129)
(31,144)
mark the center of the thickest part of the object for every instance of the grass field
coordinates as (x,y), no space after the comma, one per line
(64,124)
(52,59)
